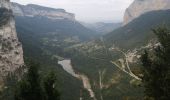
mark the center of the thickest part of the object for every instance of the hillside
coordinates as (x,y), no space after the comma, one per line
(138,32)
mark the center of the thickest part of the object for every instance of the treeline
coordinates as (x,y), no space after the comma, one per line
(33,84)
(34,87)
(156,70)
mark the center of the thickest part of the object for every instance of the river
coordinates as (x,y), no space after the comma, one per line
(66,64)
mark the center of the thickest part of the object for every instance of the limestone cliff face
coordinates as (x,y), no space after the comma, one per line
(11,53)
(139,7)
(32,10)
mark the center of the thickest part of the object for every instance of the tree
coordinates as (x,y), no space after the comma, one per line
(156,71)
(50,87)
(29,88)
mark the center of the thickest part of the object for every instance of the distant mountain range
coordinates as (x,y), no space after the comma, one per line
(102,27)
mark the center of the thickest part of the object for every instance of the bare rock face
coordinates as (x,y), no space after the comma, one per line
(139,7)
(32,10)
(11,53)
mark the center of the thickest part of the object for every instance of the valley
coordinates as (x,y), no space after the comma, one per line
(90,55)
(92,61)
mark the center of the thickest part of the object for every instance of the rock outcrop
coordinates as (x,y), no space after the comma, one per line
(32,10)
(139,7)
(11,53)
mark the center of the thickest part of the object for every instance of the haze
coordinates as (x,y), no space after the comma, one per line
(87,10)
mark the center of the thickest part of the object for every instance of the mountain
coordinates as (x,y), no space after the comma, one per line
(139,7)
(11,54)
(138,32)
(42,20)
(102,27)
(32,10)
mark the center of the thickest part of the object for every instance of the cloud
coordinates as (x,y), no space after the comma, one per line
(87,10)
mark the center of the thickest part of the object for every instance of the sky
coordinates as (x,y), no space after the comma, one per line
(89,11)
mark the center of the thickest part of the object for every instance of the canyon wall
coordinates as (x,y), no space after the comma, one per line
(11,53)
(139,7)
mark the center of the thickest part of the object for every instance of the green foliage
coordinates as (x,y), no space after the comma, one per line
(91,67)
(157,67)
(8,91)
(50,87)
(29,88)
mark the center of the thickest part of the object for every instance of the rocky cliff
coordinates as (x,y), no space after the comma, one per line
(32,10)
(139,7)
(11,53)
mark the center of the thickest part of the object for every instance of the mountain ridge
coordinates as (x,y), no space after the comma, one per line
(102,27)
(32,10)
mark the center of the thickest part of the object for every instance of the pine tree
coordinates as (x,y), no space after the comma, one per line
(50,87)
(156,69)
(30,88)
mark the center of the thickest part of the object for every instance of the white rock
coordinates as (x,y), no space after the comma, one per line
(36,10)
(139,7)
(11,53)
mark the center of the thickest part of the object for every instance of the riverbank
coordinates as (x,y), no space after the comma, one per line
(66,64)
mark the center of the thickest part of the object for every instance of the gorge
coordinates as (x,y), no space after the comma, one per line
(51,35)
